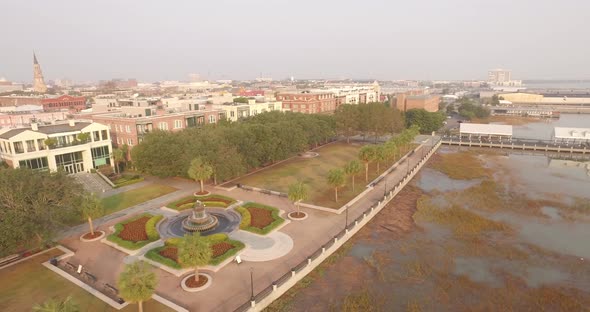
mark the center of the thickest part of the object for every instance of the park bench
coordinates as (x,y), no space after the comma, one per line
(90,277)
(110,288)
(70,266)
(9,259)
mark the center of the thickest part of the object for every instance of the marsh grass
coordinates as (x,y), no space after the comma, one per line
(461,166)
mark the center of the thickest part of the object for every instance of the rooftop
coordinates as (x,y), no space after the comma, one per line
(51,129)
(485,129)
(571,133)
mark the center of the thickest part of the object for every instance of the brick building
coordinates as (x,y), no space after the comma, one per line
(427,102)
(308,103)
(130,129)
(64,102)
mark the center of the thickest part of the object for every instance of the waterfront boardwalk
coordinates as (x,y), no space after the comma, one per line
(520,144)
(231,288)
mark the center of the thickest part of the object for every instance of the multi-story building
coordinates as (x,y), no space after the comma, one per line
(73,146)
(21,119)
(64,102)
(502,77)
(355,94)
(130,129)
(236,111)
(308,103)
(427,102)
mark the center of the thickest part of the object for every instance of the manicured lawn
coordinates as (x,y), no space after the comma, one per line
(133,197)
(29,282)
(314,172)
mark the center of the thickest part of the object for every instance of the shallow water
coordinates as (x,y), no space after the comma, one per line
(543,130)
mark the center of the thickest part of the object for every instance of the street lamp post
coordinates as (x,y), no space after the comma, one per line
(251,284)
(346,219)
(385,190)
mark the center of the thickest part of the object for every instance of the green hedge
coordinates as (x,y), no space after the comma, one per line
(230,253)
(177,204)
(134,245)
(154,255)
(150,227)
(247,218)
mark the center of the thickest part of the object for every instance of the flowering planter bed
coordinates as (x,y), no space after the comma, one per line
(223,247)
(258,218)
(212,200)
(137,232)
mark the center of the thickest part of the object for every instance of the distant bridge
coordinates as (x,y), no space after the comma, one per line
(519,144)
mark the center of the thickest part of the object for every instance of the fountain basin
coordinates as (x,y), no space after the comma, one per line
(227,222)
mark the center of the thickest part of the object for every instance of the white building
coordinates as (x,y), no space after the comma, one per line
(502,78)
(237,111)
(571,135)
(485,130)
(74,146)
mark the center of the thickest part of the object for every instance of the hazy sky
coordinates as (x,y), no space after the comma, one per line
(381,39)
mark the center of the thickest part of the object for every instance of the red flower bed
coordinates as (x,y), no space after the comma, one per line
(90,236)
(193,283)
(134,231)
(261,218)
(221,248)
(170,253)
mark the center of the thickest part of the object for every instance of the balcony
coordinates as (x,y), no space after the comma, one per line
(62,145)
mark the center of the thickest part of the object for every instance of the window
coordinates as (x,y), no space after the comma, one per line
(100,156)
(31,146)
(212,119)
(127,129)
(116,128)
(232,114)
(96,136)
(163,125)
(35,163)
(110,127)
(177,124)
(130,142)
(104,134)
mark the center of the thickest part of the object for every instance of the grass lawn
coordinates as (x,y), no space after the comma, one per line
(314,172)
(133,197)
(28,283)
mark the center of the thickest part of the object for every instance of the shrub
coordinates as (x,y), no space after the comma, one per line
(185,206)
(246,217)
(215,204)
(150,227)
(129,244)
(174,241)
(216,238)
(237,247)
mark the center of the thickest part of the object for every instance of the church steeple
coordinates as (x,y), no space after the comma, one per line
(38,81)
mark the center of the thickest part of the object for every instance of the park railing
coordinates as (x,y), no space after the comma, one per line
(279,286)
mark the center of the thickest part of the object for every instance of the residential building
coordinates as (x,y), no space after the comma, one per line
(236,111)
(25,118)
(502,77)
(428,102)
(73,146)
(308,103)
(64,102)
(130,129)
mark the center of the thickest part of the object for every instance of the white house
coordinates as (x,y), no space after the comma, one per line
(74,146)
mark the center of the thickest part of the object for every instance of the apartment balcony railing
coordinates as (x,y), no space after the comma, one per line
(73,143)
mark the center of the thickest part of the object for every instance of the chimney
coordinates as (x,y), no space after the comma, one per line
(34,126)
(72,122)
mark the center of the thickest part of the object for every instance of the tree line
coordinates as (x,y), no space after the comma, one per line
(373,119)
(232,149)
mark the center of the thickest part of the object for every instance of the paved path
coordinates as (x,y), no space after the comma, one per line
(92,183)
(231,285)
(263,248)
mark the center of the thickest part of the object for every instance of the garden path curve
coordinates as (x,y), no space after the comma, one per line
(263,248)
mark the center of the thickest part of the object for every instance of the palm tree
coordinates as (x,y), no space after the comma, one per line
(199,171)
(118,157)
(392,148)
(194,251)
(297,193)
(367,155)
(380,155)
(53,305)
(352,169)
(92,208)
(137,283)
(336,180)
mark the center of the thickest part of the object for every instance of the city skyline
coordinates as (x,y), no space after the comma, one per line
(457,40)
